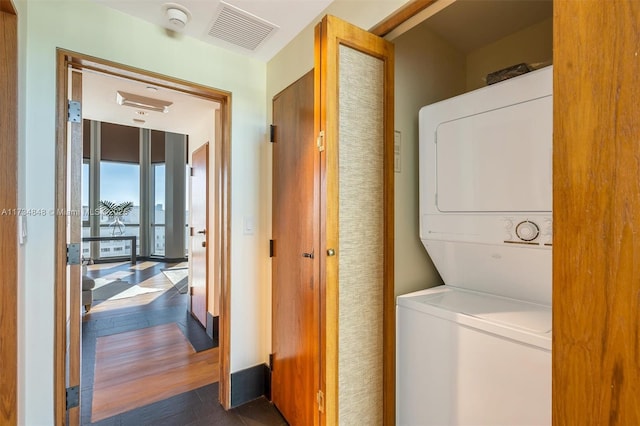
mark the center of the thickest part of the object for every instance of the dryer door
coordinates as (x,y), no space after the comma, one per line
(497,161)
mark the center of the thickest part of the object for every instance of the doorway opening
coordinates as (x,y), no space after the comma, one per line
(157,275)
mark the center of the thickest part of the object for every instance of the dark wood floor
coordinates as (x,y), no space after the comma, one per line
(195,407)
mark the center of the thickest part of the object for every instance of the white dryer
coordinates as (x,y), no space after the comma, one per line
(477,350)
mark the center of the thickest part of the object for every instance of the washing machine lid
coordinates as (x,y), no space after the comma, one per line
(516,319)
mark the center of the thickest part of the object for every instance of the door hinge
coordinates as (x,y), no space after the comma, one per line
(272,133)
(73,254)
(74,112)
(320,141)
(272,248)
(191,171)
(191,291)
(320,399)
(271,362)
(73,397)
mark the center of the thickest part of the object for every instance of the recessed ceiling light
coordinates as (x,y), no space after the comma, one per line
(142,102)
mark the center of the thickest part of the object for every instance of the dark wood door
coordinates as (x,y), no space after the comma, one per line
(295,290)
(199,229)
(596,213)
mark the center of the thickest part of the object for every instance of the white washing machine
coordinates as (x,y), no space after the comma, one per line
(477,350)
(468,358)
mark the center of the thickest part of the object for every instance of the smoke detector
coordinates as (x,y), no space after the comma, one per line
(177,16)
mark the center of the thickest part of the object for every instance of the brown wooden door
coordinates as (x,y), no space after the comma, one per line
(199,233)
(8,222)
(354,122)
(596,213)
(295,289)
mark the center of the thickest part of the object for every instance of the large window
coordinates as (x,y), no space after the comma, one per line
(158,214)
(130,165)
(120,182)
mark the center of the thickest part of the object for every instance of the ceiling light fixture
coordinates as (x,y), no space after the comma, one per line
(142,102)
(177,16)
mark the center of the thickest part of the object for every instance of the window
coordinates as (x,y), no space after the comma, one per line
(158,214)
(85,193)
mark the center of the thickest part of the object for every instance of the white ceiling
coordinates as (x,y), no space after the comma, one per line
(290,17)
(470,24)
(99,103)
(467,24)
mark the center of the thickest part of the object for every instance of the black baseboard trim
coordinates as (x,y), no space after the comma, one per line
(249,384)
(213,326)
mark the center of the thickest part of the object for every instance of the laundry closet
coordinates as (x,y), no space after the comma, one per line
(453,365)
(448,54)
(430,65)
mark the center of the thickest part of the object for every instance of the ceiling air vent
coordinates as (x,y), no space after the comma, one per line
(240,28)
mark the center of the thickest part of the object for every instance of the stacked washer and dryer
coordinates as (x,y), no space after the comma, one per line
(477,350)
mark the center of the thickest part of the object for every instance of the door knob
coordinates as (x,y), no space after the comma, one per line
(204,231)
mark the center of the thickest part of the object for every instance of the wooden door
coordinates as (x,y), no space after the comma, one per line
(596,278)
(8,222)
(295,294)
(354,125)
(68,224)
(199,232)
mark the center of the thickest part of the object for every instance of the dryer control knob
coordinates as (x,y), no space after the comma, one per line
(527,231)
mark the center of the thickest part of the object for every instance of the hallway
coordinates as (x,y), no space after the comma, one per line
(155,363)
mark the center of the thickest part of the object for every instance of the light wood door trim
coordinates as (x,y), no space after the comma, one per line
(67,60)
(60,330)
(67,363)
(596,279)
(74,231)
(7,7)
(8,222)
(409,10)
(223,213)
(330,34)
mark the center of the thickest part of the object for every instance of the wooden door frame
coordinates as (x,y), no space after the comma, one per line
(9,222)
(65,61)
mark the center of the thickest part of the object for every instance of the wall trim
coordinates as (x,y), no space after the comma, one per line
(249,384)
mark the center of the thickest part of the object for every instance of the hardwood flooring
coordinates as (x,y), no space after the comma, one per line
(139,368)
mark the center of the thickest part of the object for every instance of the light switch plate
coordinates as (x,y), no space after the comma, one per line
(249,225)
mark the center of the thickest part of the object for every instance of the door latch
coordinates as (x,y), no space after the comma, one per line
(308,255)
